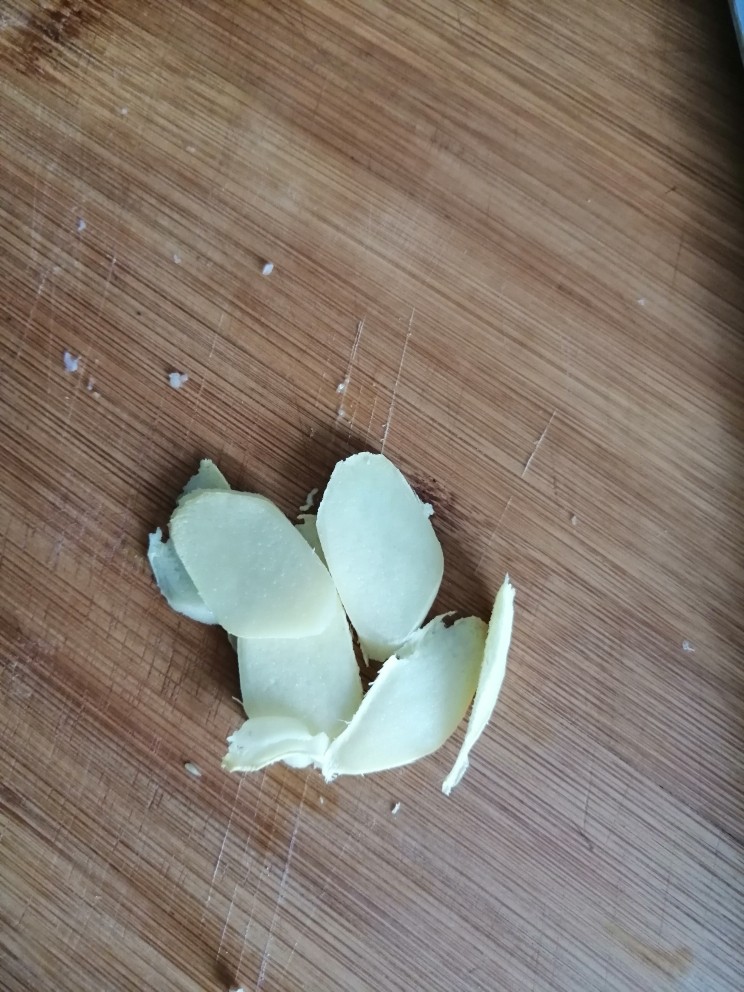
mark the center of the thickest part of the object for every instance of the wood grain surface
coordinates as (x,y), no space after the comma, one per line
(515,232)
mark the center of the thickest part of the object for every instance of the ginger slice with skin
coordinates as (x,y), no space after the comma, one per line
(381,550)
(490,680)
(415,703)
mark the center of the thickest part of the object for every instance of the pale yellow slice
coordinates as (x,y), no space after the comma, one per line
(265,740)
(381,550)
(314,679)
(172,578)
(251,567)
(308,527)
(208,476)
(415,703)
(490,680)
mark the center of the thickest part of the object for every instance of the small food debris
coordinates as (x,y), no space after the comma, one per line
(177,379)
(687,647)
(81,225)
(321,800)
(395,809)
(574,519)
(177,259)
(309,500)
(341,387)
(71,362)
(641,301)
(124,111)
(192,769)
(268,268)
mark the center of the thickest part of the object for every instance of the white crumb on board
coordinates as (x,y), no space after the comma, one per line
(81,225)
(192,769)
(71,362)
(688,647)
(177,379)
(124,111)
(641,301)
(428,509)
(309,500)
(574,519)
(268,268)
(177,259)
(395,809)
(342,386)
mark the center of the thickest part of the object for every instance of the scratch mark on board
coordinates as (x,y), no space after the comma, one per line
(487,548)
(537,445)
(197,403)
(31,315)
(344,384)
(109,274)
(222,847)
(281,895)
(394,398)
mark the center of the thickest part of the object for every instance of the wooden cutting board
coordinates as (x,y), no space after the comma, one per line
(508,247)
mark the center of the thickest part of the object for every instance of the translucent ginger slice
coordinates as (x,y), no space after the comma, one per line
(308,527)
(415,703)
(381,550)
(171,577)
(207,477)
(314,679)
(251,567)
(173,580)
(261,741)
(490,680)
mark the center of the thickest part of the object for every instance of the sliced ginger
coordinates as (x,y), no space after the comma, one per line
(235,559)
(415,703)
(490,680)
(381,550)
(314,679)
(251,567)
